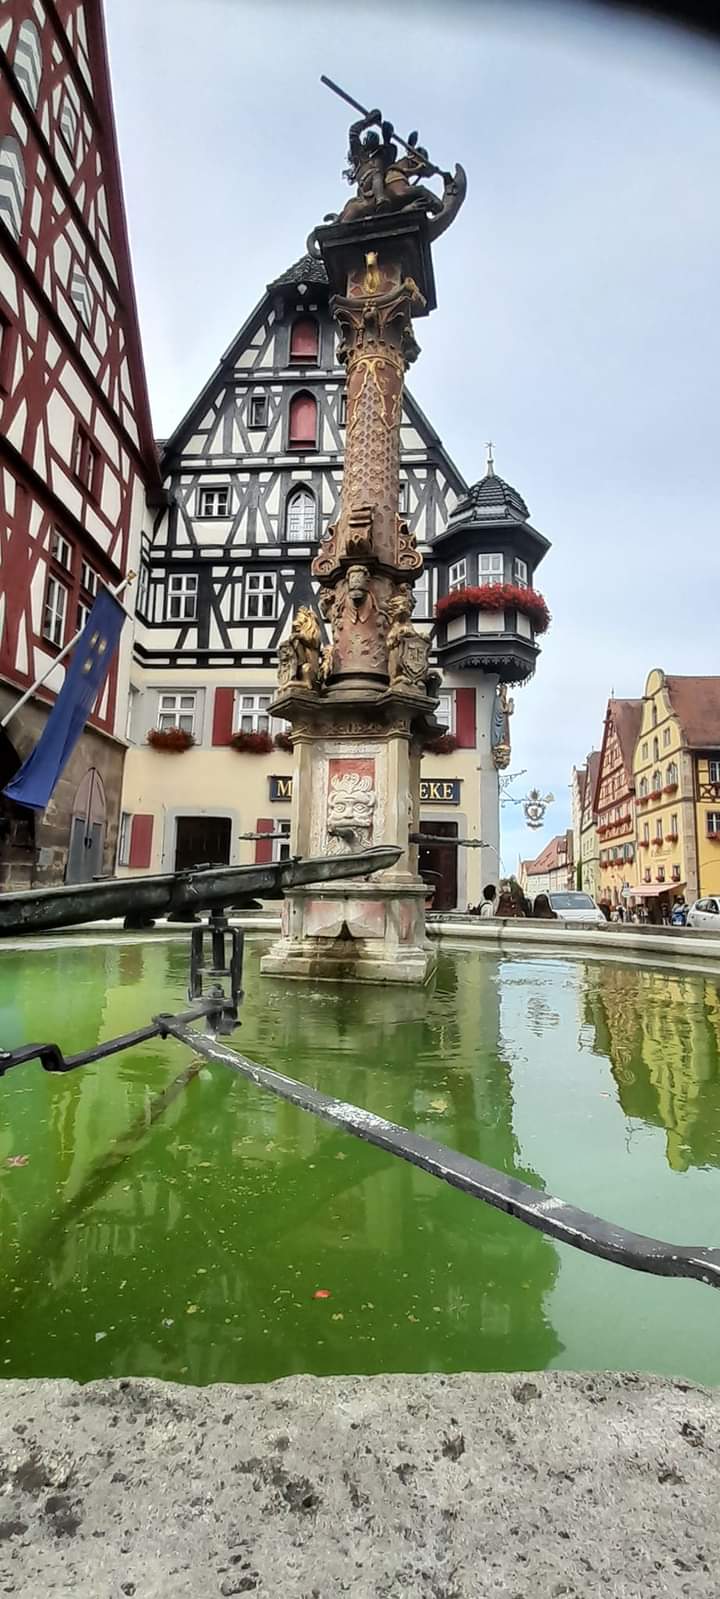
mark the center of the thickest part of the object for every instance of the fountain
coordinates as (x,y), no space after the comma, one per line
(361,708)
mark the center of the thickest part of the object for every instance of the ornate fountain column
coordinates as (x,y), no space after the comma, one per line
(361,710)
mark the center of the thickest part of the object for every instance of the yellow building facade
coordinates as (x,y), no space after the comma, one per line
(677,786)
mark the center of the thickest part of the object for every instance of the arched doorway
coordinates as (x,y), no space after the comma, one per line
(87,830)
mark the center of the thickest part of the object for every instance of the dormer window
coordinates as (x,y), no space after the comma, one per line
(457,576)
(304,339)
(491,569)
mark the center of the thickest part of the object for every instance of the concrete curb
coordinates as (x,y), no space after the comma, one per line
(452,1487)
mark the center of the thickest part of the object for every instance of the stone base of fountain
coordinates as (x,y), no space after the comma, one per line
(363,932)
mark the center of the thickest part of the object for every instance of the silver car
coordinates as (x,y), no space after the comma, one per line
(570,905)
(705,913)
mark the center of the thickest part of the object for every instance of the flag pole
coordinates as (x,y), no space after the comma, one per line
(116,592)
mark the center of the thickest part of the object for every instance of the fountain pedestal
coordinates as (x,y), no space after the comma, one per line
(362,711)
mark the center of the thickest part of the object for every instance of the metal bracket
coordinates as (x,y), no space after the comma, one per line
(216,964)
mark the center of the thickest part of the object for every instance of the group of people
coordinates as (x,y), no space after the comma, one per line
(509,900)
(665,914)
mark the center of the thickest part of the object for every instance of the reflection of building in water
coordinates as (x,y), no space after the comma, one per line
(661,1033)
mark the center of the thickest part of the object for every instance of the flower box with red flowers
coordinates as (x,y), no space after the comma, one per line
(174,739)
(444,745)
(496,597)
(644,843)
(671,838)
(252,743)
(656,793)
(283,741)
(642,799)
(670,788)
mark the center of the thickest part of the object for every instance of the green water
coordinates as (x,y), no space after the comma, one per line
(190,1246)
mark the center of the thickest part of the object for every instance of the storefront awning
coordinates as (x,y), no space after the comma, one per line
(651,890)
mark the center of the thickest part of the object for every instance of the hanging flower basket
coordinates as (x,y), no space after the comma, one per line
(174,739)
(252,743)
(283,741)
(496,597)
(441,746)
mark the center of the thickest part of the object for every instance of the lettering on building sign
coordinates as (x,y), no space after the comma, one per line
(433,790)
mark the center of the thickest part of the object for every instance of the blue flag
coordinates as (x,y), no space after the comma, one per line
(89,666)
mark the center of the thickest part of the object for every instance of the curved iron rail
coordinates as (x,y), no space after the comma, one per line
(566,1223)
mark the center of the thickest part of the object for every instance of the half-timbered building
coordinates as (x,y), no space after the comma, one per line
(252,478)
(78,456)
(614,800)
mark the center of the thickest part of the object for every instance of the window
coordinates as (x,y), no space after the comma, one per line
(654,715)
(304,340)
(656,781)
(300,517)
(656,750)
(281,846)
(303,422)
(176,710)
(403,498)
(182,597)
(714,771)
(88,579)
(667,735)
(457,576)
(643,787)
(421,592)
(28,62)
(123,848)
(83,612)
(81,295)
(214,502)
(713,824)
(671,775)
(253,714)
(56,598)
(260,595)
(12,185)
(491,569)
(444,712)
(86,460)
(343,409)
(645,751)
(661,874)
(8,342)
(659,829)
(258,410)
(520,574)
(68,122)
(143,589)
(674,825)
(61,551)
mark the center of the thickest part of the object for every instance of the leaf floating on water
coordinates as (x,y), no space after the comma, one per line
(338,1315)
(17,1160)
(100,1335)
(438,1104)
(340,1155)
(321,1293)
(167,1322)
(191,1310)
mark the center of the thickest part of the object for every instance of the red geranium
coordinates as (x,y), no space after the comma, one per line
(170,738)
(496,597)
(252,743)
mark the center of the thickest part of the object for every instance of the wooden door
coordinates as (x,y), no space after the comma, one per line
(202,841)
(438,864)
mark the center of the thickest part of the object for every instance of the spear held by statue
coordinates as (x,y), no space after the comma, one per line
(409,144)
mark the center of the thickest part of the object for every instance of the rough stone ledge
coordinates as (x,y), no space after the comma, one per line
(453,1487)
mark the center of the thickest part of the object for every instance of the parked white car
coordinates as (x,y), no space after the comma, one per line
(570,905)
(705,913)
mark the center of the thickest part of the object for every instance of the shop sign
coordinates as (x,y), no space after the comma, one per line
(433,790)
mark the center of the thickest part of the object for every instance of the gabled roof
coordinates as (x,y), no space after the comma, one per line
(592,769)
(625,716)
(696,703)
(555,854)
(307,269)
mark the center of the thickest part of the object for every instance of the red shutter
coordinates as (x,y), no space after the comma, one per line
(304,339)
(141,834)
(303,420)
(263,846)
(465,718)
(223,715)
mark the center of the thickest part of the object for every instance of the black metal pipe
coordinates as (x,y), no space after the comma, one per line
(566,1223)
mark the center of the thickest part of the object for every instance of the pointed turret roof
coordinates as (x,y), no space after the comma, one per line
(309,269)
(491,496)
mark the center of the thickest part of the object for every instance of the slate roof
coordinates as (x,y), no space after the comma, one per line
(696,703)
(493,493)
(309,269)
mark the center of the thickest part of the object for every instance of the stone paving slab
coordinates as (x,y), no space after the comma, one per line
(453,1487)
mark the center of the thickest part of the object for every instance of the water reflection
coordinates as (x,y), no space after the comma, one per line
(661,1033)
(189,1240)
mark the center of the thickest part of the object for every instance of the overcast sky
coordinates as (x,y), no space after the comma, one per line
(577,322)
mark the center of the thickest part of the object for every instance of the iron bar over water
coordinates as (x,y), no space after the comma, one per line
(552,1216)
